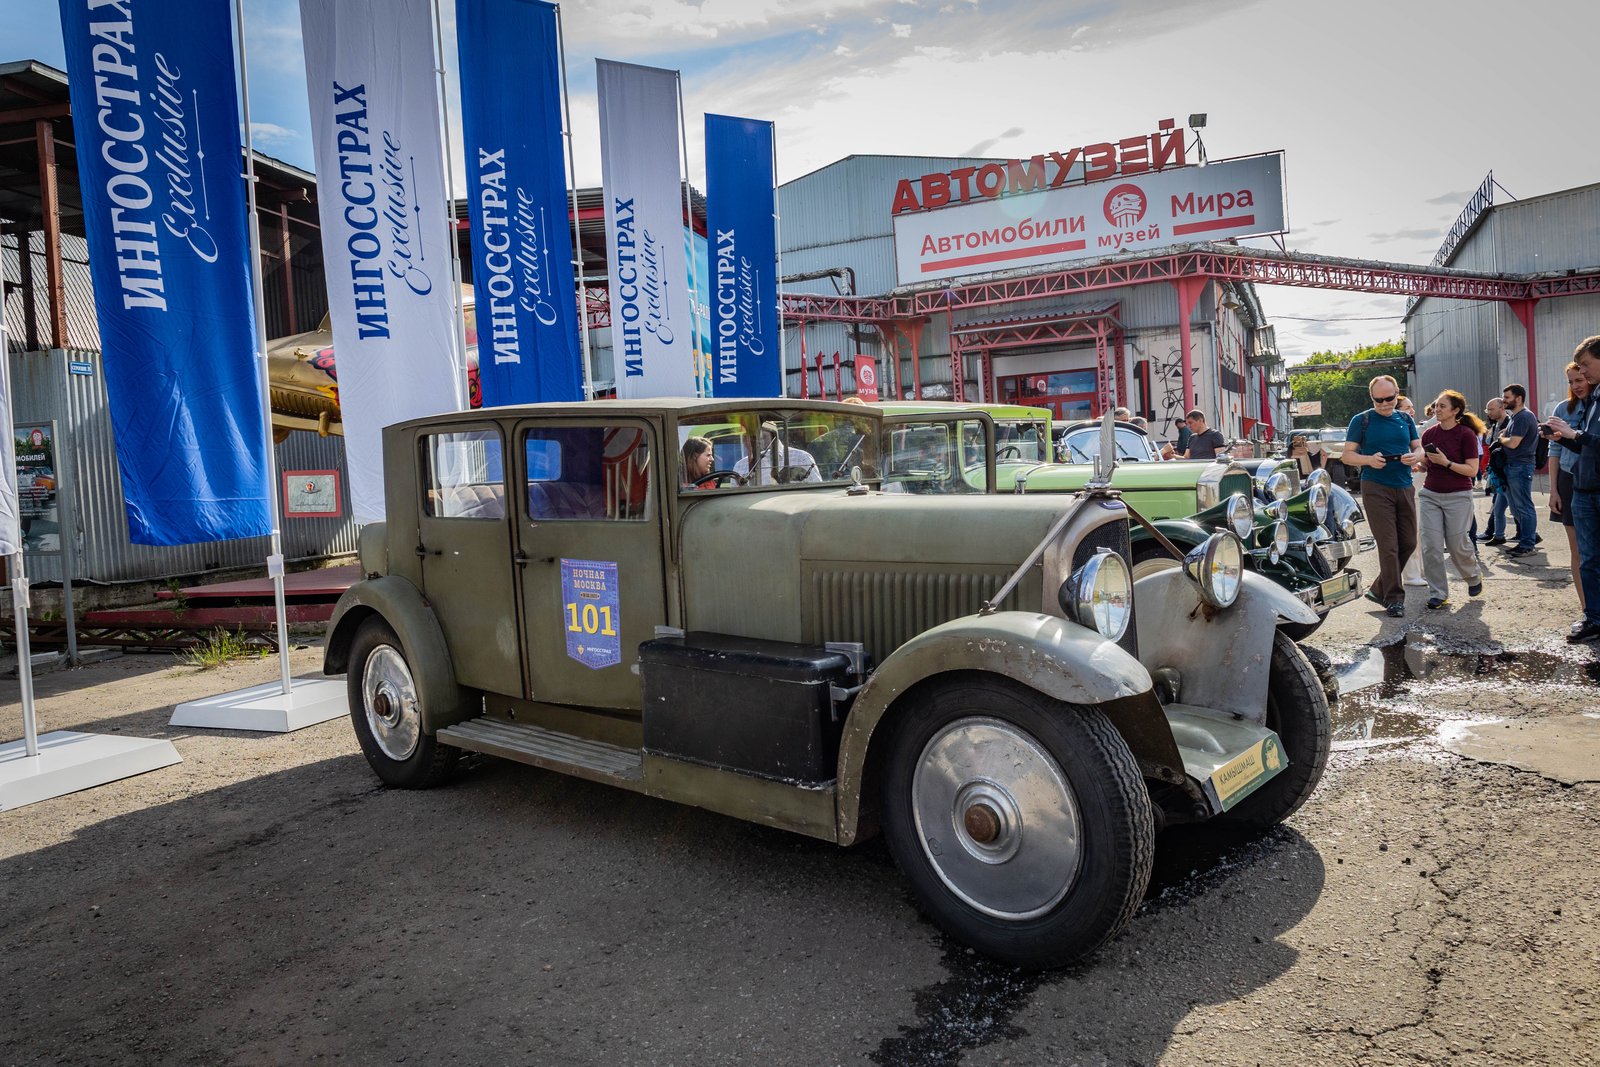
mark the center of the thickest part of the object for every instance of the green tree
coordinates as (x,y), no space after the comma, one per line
(1344,392)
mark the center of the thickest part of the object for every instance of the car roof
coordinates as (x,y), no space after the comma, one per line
(942,407)
(685,408)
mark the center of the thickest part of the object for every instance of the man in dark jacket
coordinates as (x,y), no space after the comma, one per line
(1582,435)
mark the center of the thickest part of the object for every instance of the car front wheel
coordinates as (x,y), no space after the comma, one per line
(1022,824)
(386,711)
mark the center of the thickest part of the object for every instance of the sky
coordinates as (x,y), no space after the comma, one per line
(1390,112)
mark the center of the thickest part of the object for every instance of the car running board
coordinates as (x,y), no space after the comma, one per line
(580,757)
(1228,757)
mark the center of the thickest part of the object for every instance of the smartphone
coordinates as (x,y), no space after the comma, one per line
(1430,448)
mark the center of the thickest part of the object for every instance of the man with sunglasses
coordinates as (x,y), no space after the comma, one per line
(1384,444)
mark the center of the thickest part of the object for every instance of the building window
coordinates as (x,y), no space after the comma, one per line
(1068,394)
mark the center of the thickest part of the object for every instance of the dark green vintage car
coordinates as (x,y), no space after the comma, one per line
(980,678)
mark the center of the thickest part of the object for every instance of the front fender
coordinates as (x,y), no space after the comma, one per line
(400,604)
(1058,658)
(1222,656)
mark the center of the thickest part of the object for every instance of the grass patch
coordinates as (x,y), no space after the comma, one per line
(217,649)
(180,602)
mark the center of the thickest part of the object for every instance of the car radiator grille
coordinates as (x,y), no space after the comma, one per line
(883,609)
(1115,536)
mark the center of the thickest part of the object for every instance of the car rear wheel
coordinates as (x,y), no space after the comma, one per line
(1022,824)
(386,711)
(1297,709)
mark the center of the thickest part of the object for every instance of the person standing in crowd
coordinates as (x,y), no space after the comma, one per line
(1121,414)
(1520,438)
(1571,411)
(1383,443)
(1304,458)
(1495,414)
(1203,443)
(1411,573)
(1583,437)
(1444,503)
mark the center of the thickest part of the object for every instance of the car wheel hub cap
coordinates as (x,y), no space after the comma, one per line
(997,818)
(389,697)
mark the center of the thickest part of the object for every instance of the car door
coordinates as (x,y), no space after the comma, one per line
(464,542)
(590,534)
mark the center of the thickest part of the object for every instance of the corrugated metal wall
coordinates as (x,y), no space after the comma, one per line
(91,488)
(1479,347)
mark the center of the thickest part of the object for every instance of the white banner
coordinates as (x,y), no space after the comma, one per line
(1226,199)
(652,343)
(10,523)
(385,230)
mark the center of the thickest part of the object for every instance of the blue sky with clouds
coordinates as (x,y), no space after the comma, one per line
(1390,113)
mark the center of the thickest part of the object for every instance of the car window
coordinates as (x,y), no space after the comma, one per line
(595,473)
(774,447)
(1020,441)
(463,475)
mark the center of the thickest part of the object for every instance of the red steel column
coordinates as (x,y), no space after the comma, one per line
(1523,310)
(805,375)
(915,330)
(44,134)
(1189,290)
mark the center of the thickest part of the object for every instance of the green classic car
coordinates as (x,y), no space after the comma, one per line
(978,677)
(943,448)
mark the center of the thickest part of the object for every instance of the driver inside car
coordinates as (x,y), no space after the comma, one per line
(698,459)
(777,463)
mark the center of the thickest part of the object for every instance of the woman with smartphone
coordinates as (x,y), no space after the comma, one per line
(1444,504)
(1569,410)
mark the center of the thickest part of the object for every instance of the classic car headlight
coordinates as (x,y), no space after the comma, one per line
(1100,595)
(1278,487)
(1279,510)
(1241,517)
(1319,477)
(1318,498)
(1280,539)
(1218,567)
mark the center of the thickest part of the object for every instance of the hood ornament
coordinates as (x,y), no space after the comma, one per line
(1105,460)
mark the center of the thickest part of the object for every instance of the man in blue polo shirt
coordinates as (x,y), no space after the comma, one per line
(1385,444)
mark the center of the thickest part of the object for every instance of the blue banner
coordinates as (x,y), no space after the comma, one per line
(741,218)
(156,118)
(696,251)
(522,275)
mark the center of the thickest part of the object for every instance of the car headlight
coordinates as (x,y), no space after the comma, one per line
(1279,510)
(1100,595)
(1218,567)
(1278,487)
(1241,516)
(1319,477)
(1318,498)
(1280,540)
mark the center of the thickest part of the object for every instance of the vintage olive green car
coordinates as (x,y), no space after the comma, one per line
(980,678)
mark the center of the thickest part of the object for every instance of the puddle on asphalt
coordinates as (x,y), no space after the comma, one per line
(1413,689)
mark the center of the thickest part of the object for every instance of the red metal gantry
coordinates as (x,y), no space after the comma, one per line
(1188,269)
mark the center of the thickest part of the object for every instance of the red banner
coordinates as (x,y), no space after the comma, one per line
(867,379)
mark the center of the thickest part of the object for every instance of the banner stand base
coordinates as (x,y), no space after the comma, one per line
(69,761)
(266,708)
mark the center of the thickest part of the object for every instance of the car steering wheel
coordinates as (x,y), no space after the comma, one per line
(1004,450)
(718,477)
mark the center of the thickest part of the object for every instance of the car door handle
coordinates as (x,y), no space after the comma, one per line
(421,551)
(522,559)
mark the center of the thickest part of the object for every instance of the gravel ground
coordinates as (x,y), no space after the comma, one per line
(265,901)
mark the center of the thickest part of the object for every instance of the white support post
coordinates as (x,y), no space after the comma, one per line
(577,224)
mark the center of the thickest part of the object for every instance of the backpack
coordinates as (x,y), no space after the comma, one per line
(1541,453)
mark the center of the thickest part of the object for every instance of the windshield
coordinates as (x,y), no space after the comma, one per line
(1082,446)
(773,447)
(934,456)
(1020,440)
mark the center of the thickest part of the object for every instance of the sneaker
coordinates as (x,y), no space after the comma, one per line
(1494,540)
(1437,602)
(1521,550)
(1397,610)
(1475,588)
(1417,583)
(1590,632)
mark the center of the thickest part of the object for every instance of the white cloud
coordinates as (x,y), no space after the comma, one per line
(267,133)
(900,29)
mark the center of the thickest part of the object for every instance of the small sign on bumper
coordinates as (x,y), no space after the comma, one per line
(1245,773)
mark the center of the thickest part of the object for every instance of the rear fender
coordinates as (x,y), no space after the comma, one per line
(1058,658)
(400,604)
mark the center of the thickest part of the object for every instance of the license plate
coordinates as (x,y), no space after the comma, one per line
(1338,589)
(1247,772)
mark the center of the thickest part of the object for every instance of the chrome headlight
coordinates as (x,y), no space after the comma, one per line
(1099,595)
(1319,477)
(1278,487)
(1280,540)
(1318,499)
(1348,529)
(1218,567)
(1241,516)
(1279,509)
